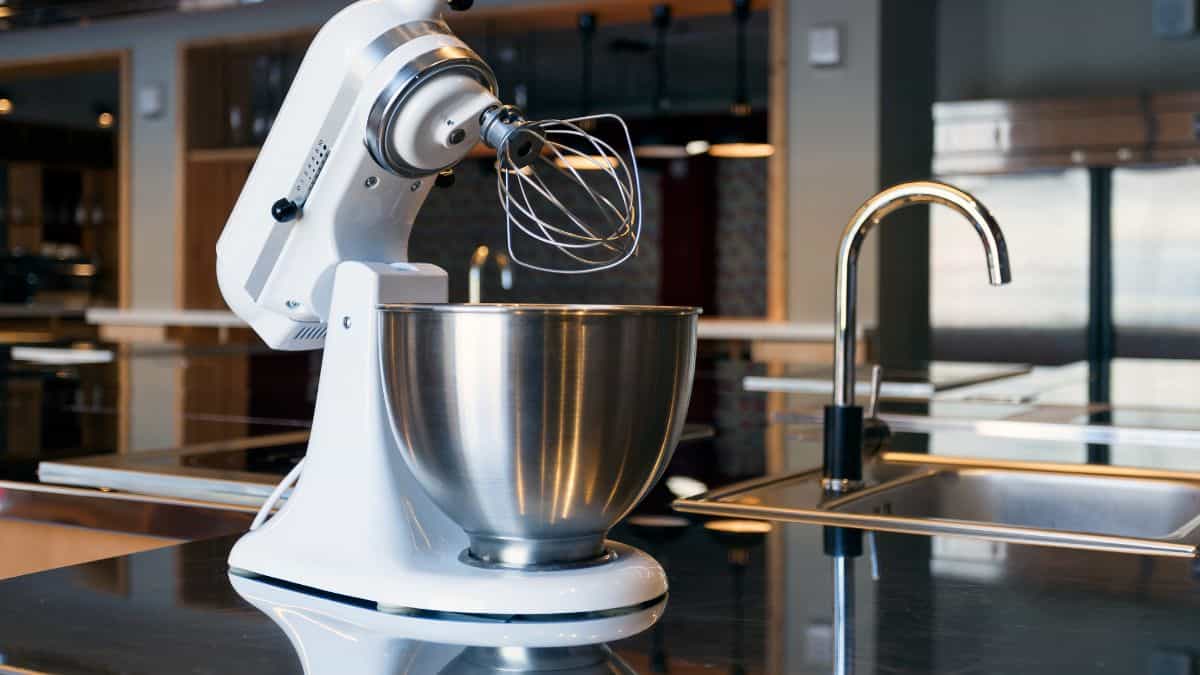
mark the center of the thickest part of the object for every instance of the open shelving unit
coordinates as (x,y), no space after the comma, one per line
(220,130)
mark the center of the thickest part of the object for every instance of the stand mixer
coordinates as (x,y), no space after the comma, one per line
(465,460)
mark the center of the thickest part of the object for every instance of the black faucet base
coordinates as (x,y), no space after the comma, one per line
(843,443)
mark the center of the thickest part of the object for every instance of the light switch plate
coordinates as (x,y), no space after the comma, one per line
(825,46)
(152,100)
(1175,18)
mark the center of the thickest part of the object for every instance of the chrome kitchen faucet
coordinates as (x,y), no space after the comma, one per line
(843,419)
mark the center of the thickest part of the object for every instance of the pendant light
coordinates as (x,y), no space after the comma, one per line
(741,140)
(657,143)
(584,162)
(105,119)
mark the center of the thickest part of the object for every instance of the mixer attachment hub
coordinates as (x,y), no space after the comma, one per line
(504,129)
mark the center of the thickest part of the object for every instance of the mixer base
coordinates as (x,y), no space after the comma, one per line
(448,628)
(631,580)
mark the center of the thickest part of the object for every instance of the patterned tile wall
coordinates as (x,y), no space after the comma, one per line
(742,237)
(455,221)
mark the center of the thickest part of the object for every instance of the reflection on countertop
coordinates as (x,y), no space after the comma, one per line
(74,399)
(240,471)
(760,603)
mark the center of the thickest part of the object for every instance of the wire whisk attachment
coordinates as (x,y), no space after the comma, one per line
(564,187)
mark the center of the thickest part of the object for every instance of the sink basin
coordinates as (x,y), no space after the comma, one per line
(1096,505)
(44,527)
(1080,507)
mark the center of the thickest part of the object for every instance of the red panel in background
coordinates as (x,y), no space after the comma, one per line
(688,213)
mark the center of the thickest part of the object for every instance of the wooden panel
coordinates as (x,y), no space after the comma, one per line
(101,235)
(25,206)
(211,190)
(124,195)
(1176,127)
(215,399)
(223,116)
(999,136)
(777,167)
(24,416)
(205,108)
(240,154)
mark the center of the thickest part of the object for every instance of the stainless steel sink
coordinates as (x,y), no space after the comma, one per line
(1079,507)
(1095,505)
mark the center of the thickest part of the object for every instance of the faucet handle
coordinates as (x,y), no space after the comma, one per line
(875,431)
(876,385)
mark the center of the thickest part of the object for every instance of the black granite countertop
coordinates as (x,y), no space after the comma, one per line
(756,604)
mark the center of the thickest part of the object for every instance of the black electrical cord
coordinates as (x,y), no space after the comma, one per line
(587,35)
(741,98)
(662,23)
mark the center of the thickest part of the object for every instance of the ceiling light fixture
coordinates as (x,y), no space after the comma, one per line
(105,119)
(741,140)
(587,38)
(661,142)
(586,162)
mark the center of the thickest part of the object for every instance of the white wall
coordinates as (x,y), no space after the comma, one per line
(833,153)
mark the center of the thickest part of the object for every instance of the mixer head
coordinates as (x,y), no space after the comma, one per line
(564,187)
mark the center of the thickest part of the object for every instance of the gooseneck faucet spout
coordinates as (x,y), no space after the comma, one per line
(843,420)
(475,277)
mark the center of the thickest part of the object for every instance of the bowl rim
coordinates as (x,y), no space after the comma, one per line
(541,309)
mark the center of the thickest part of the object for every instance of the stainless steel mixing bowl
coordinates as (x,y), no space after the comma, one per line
(537,427)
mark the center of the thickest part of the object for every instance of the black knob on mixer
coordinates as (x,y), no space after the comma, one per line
(284,210)
(460,5)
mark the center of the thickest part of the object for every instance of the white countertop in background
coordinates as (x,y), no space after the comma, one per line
(770,331)
(164,317)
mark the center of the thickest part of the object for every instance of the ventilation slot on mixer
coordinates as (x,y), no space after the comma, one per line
(317,157)
(310,333)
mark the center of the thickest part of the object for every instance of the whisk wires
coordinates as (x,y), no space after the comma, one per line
(600,238)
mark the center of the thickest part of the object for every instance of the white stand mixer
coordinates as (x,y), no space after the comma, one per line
(386,99)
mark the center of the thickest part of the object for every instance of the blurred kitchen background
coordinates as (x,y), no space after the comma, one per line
(127,129)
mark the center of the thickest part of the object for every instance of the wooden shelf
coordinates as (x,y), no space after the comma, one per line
(246,154)
(1000,136)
